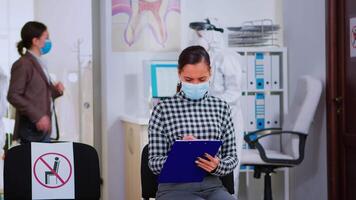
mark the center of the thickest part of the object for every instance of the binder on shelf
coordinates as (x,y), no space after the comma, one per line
(267,72)
(263,71)
(248,112)
(251,78)
(275,68)
(259,71)
(273,111)
(260,109)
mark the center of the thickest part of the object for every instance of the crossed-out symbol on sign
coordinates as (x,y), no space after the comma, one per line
(52,169)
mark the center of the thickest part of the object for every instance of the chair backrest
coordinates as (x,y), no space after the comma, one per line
(149,180)
(301,113)
(17,172)
(56,165)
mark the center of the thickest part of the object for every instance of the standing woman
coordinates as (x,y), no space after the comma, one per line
(31,90)
(193,114)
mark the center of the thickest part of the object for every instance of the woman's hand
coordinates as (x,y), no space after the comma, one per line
(44,124)
(59,87)
(189,137)
(209,164)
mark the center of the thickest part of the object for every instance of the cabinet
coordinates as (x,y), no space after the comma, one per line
(136,137)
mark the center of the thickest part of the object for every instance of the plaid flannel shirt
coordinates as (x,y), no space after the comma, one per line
(208,118)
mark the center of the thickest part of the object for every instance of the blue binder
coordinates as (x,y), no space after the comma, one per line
(180,166)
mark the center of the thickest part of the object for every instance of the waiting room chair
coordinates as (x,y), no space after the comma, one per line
(292,136)
(17,172)
(149,182)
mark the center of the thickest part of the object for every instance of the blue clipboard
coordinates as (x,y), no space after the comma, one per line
(180,166)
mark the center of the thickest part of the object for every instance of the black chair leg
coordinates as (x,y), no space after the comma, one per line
(268,187)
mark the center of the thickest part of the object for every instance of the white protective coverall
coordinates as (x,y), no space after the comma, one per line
(225,82)
(4,82)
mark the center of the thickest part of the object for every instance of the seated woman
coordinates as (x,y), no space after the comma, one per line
(193,114)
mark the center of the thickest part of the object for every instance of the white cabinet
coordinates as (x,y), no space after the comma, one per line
(136,137)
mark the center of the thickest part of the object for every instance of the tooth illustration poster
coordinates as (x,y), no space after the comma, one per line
(139,25)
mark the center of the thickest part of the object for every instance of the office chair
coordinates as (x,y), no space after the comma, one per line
(17,172)
(292,135)
(149,180)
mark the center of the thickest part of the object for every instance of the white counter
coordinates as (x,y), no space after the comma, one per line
(134,119)
(135,138)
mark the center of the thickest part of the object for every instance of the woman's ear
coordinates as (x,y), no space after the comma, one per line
(179,75)
(35,42)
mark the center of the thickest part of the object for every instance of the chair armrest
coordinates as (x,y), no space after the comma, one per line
(265,131)
(252,136)
(254,143)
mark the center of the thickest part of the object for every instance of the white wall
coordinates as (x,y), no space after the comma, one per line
(122,74)
(304,22)
(69,22)
(13,15)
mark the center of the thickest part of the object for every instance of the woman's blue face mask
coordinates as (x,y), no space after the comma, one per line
(47,47)
(195,91)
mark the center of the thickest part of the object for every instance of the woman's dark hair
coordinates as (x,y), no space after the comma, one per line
(29,31)
(192,55)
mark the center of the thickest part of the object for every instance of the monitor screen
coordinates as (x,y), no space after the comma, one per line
(164,78)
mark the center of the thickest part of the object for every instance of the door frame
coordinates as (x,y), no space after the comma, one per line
(335,51)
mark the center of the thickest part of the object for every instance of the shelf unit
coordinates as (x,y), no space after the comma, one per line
(258,65)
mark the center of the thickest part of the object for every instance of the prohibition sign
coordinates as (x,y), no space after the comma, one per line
(63,180)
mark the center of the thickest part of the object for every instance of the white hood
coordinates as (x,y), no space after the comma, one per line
(211,40)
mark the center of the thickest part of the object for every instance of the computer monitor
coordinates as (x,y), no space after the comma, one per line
(164,78)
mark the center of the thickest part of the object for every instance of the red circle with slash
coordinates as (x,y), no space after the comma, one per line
(43,161)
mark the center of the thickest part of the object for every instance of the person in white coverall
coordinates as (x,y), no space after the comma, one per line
(3,104)
(4,82)
(226,77)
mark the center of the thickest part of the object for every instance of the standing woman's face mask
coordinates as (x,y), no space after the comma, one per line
(42,43)
(195,80)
